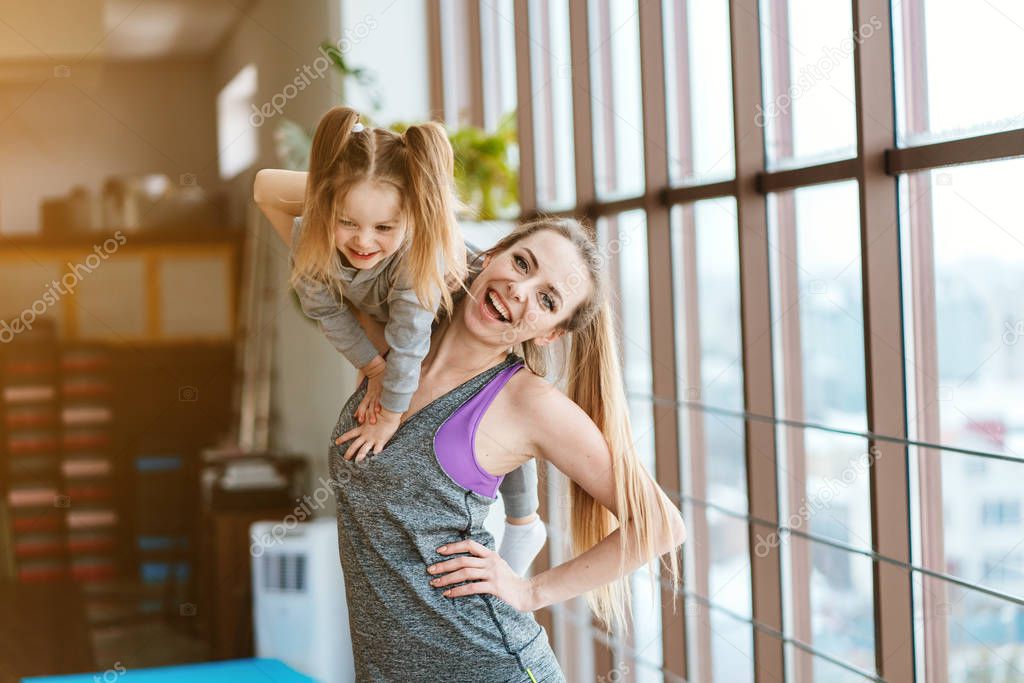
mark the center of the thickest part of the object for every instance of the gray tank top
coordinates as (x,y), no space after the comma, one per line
(394,510)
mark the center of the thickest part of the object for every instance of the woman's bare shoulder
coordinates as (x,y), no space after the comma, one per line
(552,425)
(533,396)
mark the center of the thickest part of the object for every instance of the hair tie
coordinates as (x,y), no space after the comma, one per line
(358,128)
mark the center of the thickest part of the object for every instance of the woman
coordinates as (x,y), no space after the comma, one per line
(428,597)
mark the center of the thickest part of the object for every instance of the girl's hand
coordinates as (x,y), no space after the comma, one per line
(486,571)
(370,406)
(373,436)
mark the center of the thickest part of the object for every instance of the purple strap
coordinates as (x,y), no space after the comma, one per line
(455,438)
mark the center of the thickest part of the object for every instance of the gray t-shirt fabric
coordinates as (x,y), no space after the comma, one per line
(384,292)
(394,510)
(370,291)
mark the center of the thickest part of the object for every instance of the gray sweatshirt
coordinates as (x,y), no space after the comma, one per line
(384,292)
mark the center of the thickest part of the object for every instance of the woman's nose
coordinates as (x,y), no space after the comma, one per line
(516,291)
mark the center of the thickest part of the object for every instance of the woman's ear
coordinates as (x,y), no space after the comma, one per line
(487,259)
(551,336)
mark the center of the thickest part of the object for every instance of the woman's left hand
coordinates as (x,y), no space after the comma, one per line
(487,573)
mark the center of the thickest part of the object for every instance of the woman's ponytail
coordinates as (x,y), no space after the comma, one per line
(595,384)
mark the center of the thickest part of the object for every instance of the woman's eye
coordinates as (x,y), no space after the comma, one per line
(548,302)
(520,261)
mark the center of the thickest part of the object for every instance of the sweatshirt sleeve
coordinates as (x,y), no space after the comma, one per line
(519,490)
(323,303)
(408,335)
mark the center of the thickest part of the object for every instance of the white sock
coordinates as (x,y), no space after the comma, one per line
(521,543)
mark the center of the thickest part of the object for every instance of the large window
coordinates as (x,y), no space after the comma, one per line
(808,110)
(963,297)
(705,268)
(615,98)
(818,323)
(698,90)
(949,68)
(811,214)
(624,241)
(551,66)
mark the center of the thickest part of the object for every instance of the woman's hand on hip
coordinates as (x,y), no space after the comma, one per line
(370,436)
(486,571)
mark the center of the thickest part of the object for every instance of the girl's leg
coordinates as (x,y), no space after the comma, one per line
(525,532)
(519,492)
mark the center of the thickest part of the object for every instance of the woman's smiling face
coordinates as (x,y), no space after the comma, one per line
(528,291)
(370,226)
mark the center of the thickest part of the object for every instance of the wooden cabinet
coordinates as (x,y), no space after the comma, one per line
(225,588)
(43,631)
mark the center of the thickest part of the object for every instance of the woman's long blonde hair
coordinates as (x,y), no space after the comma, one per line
(595,384)
(419,165)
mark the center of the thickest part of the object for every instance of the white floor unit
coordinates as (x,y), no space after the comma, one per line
(299,611)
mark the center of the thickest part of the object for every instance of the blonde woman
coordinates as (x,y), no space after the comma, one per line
(428,596)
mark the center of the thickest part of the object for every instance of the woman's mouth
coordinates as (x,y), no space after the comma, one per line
(494,307)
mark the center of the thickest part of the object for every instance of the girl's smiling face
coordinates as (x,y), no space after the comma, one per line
(370,225)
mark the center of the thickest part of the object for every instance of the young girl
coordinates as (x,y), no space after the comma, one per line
(376,231)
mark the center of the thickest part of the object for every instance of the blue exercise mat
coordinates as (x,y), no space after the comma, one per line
(248,670)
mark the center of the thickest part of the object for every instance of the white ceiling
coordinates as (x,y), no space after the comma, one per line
(65,30)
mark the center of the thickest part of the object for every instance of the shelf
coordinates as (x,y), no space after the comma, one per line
(185,236)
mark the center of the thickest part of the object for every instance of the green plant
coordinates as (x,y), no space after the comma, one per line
(485,173)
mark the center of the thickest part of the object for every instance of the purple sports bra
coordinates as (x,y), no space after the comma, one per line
(454,440)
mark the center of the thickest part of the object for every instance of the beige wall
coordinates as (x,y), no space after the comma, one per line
(100,119)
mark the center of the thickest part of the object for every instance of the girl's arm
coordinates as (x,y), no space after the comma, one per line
(374,328)
(281,196)
(566,436)
(407,333)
